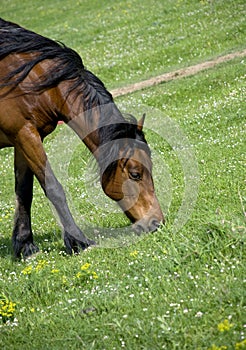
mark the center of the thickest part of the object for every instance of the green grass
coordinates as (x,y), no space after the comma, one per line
(170,290)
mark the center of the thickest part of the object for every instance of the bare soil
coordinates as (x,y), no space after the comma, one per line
(180,73)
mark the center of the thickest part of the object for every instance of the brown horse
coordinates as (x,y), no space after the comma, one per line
(41,83)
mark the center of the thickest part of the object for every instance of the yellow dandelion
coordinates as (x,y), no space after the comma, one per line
(86,266)
(7,309)
(134,253)
(78,275)
(27,270)
(55,270)
(94,275)
(214,347)
(41,264)
(240,345)
(225,326)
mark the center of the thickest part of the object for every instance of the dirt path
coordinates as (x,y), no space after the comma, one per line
(180,73)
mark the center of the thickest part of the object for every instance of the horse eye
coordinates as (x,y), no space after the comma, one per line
(135,176)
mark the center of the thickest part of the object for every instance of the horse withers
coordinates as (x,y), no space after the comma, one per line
(43,82)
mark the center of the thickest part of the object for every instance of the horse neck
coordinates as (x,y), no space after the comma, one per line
(85,117)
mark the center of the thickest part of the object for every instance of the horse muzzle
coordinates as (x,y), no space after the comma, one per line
(151,225)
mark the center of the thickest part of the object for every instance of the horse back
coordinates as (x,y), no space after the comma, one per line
(19,105)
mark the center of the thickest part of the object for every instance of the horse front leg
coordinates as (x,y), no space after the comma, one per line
(31,147)
(73,236)
(22,237)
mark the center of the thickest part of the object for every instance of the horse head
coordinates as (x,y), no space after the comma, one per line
(126,177)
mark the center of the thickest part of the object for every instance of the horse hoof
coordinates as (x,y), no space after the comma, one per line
(29,250)
(74,245)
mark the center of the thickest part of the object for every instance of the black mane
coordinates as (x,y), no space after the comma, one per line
(123,135)
(67,65)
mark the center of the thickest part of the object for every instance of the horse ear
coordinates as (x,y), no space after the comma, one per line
(141,123)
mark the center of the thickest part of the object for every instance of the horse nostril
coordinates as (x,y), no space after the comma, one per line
(154,225)
(138,229)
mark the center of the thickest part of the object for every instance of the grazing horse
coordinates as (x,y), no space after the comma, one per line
(43,82)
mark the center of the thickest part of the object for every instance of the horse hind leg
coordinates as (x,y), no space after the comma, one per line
(22,238)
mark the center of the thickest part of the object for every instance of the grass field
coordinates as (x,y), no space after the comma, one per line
(175,289)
